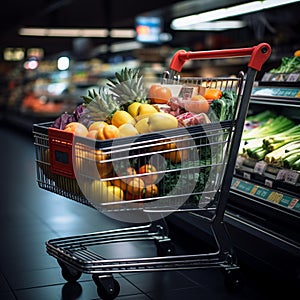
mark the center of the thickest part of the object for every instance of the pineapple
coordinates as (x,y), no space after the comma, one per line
(128,87)
(100,105)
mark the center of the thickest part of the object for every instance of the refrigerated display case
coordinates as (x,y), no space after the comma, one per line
(263,211)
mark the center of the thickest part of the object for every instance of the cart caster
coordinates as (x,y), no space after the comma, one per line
(71,290)
(107,287)
(68,273)
(165,248)
(232,279)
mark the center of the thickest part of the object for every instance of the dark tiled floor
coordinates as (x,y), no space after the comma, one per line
(29,216)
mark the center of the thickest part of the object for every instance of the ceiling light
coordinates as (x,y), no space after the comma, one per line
(78,32)
(122,33)
(227,12)
(125,46)
(215,26)
(64,32)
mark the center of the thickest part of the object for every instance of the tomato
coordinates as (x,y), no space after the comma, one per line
(159,94)
(122,182)
(148,169)
(151,190)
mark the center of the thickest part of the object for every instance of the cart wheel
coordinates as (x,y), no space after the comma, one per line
(71,290)
(165,248)
(107,287)
(232,279)
(68,273)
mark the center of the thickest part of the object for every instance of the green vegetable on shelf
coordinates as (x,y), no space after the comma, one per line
(257,153)
(261,117)
(276,141)
(296,165)
(288,65)
(277,155)
(272,126)
(289,160)
(272,143)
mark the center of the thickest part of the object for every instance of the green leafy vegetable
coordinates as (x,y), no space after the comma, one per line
(288,65)
(223,108)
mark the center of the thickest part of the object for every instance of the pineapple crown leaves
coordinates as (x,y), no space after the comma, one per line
(128,86)
(101,105)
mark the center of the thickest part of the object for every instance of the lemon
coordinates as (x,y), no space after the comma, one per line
(142,126)
(127,129)
(94,190)
(112,193)
(146,108)
(133,109)
(121,117)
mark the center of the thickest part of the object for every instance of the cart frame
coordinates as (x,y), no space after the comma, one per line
(73,253)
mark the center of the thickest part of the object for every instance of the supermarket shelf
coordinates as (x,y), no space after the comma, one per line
(259,172)
(254,243)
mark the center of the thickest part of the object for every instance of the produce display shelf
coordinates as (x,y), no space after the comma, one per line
(270,176)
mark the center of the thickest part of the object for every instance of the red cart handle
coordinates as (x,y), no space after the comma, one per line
(259,54)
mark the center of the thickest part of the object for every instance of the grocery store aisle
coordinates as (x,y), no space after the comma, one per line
(30,216)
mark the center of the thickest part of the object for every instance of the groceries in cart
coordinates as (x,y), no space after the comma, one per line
(125,100)
(132,147)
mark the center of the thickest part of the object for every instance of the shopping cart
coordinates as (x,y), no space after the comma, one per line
(192,169)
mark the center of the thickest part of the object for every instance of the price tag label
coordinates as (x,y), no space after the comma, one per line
(269,183)
(291,177)
(267,77)
(281,175)
(260,167)
(293,203)
(247,175)
(293,77)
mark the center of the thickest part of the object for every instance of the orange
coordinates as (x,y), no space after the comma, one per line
(92,134)
(159,94)
(212,94)
(76,128)
(176,156)
(151,190)
(108,132)
(135,187)
(150,171)
(92,163)
(97,125)
(297,53)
